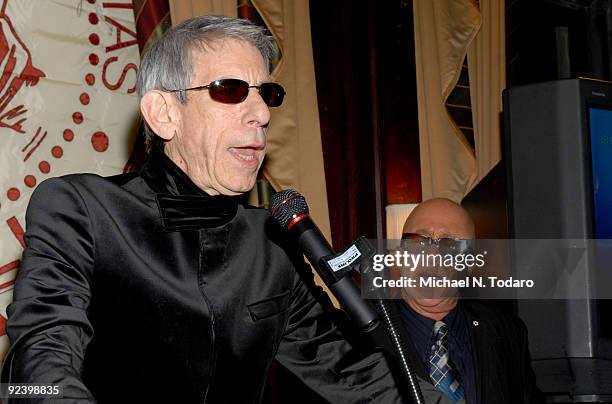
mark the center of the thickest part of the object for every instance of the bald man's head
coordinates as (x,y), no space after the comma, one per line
(438,218)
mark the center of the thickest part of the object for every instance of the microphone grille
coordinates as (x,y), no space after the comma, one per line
(286,205)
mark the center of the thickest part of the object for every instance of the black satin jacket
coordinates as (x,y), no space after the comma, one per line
(142,288)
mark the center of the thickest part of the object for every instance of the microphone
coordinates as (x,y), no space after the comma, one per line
(290,210)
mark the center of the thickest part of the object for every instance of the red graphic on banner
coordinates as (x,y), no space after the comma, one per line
(13,194)
(44,167)
(16,70)
(8,285)
(9,267)
(38,149)
(99,141)
(32,149)
(16,229)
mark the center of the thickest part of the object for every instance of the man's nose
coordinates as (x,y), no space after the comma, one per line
(257,112)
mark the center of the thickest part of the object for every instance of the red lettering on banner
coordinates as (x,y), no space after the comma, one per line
(16,229)
(126,68)
(120,43)
(120,28)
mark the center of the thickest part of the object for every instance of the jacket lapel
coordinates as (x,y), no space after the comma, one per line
(413,356)
(480,344)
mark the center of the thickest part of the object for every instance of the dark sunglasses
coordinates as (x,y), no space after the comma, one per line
(234,91)
(445,245)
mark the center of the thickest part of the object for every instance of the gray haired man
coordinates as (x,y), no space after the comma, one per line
(162,285)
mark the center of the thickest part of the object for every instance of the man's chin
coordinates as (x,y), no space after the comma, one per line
(238,188)
(430,297)
(430,301)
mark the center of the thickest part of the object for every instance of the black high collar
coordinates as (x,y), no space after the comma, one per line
(182,204)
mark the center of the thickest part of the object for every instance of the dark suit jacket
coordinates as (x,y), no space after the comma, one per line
(141,288)
(500,353)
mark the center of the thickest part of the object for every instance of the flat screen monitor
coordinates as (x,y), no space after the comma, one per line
(600,129)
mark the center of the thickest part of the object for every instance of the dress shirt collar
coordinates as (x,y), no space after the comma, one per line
(422,327)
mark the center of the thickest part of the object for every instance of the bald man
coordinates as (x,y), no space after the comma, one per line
(473,353)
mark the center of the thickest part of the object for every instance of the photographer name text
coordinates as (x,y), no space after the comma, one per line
(444,282)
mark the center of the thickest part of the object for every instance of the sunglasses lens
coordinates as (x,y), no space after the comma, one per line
(414,240)
(272,94)
(229,91)
(453,246)
(234,91)
(447,246)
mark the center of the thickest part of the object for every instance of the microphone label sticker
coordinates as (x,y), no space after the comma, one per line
(345,259)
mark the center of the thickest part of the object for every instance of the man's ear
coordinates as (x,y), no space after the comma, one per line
(158,109)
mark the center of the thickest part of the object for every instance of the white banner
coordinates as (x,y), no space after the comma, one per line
(67,104)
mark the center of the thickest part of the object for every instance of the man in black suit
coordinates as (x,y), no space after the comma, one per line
(162,285)
(470,351)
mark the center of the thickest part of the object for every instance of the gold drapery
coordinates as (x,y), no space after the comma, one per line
(445,32)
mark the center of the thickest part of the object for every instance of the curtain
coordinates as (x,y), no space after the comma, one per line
(446,31)
(487,70)
(184,9)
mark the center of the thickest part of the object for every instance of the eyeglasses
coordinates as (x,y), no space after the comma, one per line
(446,245)
(234,91)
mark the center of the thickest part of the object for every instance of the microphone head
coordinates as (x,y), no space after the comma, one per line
(287,205)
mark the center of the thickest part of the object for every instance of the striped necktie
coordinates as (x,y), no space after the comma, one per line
(441,372)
